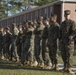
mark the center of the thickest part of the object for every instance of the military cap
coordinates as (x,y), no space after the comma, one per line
(24,22)
(30,23)
(45,18)
(67,12)
(7,28)
(40,18)
(53,16)
(14,24)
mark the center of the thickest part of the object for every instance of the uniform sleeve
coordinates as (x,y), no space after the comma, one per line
(40,28)
(60,32)
(73,29)
(30,31)
(16,31)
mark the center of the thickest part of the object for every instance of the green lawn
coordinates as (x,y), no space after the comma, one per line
(11,68)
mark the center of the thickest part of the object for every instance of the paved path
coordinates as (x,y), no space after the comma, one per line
(61,67)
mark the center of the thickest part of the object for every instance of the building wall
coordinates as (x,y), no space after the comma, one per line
(46,11)
(72,7)
(57,11)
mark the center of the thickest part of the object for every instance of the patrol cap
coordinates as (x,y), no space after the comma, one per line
(30,23)
(24,22)
(35,21)
(7,28)
(45,18)
(40,18)
(53,16)
(67,12)
(13,24)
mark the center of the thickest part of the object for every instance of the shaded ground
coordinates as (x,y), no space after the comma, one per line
(11,68)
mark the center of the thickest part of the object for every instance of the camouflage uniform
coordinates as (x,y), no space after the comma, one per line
(19,43)
(1,42)
(23,39)
(45,49)
(38,42)
(28,46)
(53,35)
(15,32)
(66,45)
(7,43)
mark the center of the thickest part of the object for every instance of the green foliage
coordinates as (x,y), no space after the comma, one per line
(42,2)
(16,6)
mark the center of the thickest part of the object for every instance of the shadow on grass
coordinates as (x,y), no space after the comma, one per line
(15,66)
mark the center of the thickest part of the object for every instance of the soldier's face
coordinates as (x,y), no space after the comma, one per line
(67,17)
(46,22)
(53,19)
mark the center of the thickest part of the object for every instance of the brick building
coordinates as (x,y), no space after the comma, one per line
(63,5)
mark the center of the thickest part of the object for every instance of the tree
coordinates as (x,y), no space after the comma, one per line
(11,7)
(42,2)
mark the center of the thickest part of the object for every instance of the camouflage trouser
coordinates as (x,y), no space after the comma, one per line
(38,50)
(1,49)
(24,53)
(31,53)
(45,52)
(53,52)
(19,47)
(14,49)
(67,51)
(6,49)
(27,51)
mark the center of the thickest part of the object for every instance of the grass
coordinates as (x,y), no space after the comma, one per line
(11,68)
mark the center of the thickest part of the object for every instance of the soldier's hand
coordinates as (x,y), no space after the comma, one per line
(71,37)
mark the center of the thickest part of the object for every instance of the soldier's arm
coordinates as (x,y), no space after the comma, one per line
(73,29)
(16,31)
(40,28)
(44,33)
(30,30)
(60,32)
(57,31)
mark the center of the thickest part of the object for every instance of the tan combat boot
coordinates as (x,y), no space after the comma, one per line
(38,65)
(53,67)
(2,57)
(69,70)
(47,67)
(56,67)
(41,65)
(13,59)
(17,60)
(28,63)
(31,64)
(35,63)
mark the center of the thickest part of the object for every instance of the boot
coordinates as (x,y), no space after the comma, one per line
(41,65)
(31,64)
(2,57)
(13,59)
(17,60)
(56,67)
(47,67)
(69,70)
(65,68)
(53,67)
(28,63)
(35,63)
(38,65)
(21,64)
